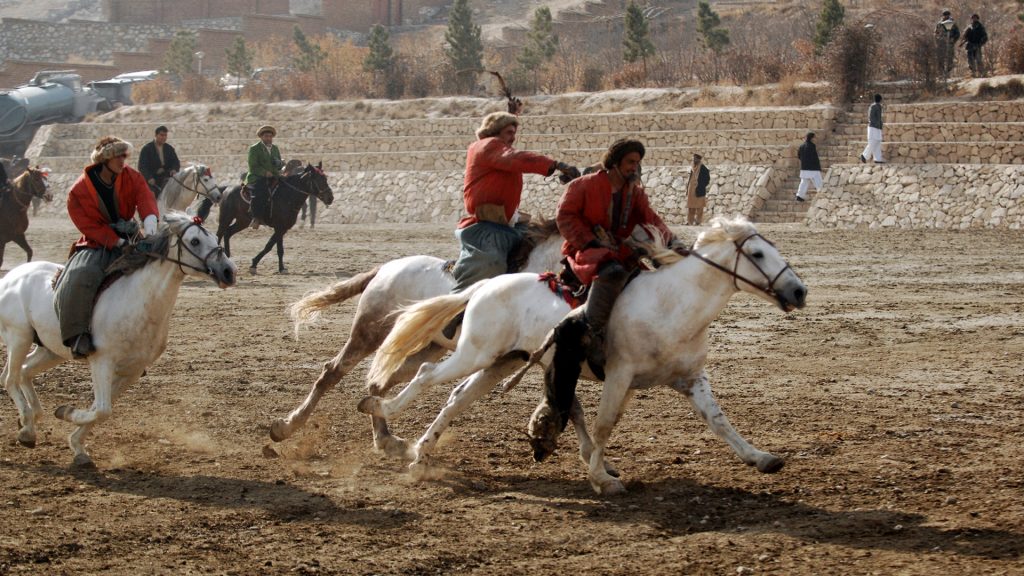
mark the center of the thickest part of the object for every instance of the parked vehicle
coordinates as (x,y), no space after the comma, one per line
(54,96)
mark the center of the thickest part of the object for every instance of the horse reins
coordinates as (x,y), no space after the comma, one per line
(736,276)
(213,251)
(317,193)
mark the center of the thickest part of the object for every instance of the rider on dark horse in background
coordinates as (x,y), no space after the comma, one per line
(158,161)
(264,169)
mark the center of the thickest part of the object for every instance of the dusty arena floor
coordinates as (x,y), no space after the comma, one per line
(896,397)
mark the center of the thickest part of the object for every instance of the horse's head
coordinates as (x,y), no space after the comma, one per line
(198,253)
(34,181)
(318,184)
(206,184)
(756,265)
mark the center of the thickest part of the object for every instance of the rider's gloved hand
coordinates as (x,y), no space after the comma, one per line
(569,172)
(149,225)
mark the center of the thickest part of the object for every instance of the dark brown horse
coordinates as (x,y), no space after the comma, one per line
(14,203)
(289,197)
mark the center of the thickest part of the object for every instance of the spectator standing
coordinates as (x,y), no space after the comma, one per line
(697,191)
(874,147)
(158,161)
(810,167)
(946,35)
(974,38)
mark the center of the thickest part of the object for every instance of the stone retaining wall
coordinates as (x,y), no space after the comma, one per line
(928,196)
(1009,111)
(943,152)
(430,197)
(420,197)
(81,40)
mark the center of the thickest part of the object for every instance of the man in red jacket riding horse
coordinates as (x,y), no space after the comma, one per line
(102,204)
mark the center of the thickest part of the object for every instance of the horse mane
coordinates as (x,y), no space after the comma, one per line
(160,245)
(722,230)
(537,231)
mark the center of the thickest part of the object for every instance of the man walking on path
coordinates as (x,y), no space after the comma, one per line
(810,167)
(975,37)
(946,35)
(874,147)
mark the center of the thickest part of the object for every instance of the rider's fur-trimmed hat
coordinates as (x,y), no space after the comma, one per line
(494,123)
(266,128)
(109,147)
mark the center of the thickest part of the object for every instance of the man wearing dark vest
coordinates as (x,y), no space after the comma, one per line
(264,166)
(158,161)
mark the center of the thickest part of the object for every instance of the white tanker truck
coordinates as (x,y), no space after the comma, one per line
(54,96)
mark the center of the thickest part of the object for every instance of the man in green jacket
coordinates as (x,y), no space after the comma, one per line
(264,166)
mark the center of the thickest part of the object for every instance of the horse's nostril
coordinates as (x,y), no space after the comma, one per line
(799,294)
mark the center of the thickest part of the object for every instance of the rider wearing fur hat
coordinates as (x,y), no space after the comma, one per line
(102,205)
(492,190)
(264,165)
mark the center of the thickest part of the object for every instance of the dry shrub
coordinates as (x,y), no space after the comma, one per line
(159,90)
(1012,56)
(1010,90)
(629,76)
(914,57)
(196,88)
(848,63)
(591,79)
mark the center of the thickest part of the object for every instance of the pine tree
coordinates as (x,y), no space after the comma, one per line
(310,54)
(541,43)
(711,36)
(832,13)
(463,46)
(239,61)
(381,56)
(178,58)
(636,43)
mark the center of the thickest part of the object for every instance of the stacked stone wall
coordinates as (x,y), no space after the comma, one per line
(924,196)
(77,40)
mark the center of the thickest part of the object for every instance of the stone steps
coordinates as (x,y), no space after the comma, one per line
(304,146)
(456,159)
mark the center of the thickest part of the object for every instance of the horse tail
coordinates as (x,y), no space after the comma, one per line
(307,310)
(414,330)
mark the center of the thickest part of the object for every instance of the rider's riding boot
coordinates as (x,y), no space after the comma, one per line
(81,345)
(603,292)
(449,330)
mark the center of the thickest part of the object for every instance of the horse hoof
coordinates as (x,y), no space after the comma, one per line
(63,412)
(611,487)
(419,471)
(395,447)
(252,270)
(83,462)
(369,405)
(27,439)
(282,271)
(279,430)
(770,464)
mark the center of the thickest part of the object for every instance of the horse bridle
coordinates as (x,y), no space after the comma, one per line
(205,192)
(216,251)
(319,191)
(736,276)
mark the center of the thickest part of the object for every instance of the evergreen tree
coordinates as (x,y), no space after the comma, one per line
(1021,15)
(636,43)
(310,54)
(541,43)
(712,36)
(381,57)
(463,46)
(832,13)
(178,58)
(239,61)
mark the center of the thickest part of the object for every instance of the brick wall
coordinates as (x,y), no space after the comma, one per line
(174,11)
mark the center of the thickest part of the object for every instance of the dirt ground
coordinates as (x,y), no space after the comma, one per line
(896,398)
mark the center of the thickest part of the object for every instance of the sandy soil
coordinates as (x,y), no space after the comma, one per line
(896,397)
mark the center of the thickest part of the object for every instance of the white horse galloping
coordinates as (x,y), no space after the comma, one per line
(657,335)
(129,326)
(187,187)
(383,291)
